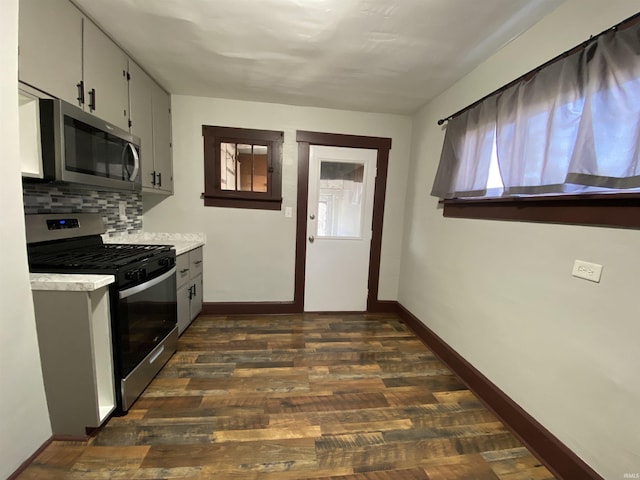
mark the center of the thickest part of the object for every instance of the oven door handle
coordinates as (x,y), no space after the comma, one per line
(143,286)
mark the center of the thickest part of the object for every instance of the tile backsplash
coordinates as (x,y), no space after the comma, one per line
(67,198)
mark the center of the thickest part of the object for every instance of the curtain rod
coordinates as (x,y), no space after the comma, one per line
(623,24)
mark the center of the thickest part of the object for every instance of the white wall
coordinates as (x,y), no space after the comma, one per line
(249,256)
(24,420)
(501,293)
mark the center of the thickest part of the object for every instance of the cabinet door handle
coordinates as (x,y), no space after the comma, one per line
(194,289)
(159,179)
(92,99)
(153,176)
(80,86)
(190,292)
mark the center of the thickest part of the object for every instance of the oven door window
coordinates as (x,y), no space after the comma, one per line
(144,319)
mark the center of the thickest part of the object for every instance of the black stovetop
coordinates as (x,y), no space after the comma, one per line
(72,255)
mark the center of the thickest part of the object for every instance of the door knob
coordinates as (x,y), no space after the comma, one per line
(311,239)
(312,216)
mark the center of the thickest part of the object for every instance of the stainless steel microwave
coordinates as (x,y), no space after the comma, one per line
(78,147)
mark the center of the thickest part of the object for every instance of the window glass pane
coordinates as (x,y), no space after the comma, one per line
(228,166)
(340,201)
(259,169)
(245,167)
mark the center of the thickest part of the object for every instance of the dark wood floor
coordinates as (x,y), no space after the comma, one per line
(349,397)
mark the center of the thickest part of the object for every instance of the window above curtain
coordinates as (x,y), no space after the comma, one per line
(571,128)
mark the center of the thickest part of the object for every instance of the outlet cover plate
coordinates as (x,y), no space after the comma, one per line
(586,270)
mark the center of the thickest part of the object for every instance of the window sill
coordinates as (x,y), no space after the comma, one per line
(612,210)
(238,202)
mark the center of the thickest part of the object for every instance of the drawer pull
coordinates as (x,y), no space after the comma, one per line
(197,262)
(183,271)
(156,355)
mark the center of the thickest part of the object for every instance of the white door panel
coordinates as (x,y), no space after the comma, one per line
(340,213)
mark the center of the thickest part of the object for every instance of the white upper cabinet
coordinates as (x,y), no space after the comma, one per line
(62,53)
(141,116)
(150,109)
(50,43)
(162,148)
(105,77)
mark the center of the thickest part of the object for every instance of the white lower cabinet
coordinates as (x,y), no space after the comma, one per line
(189,284)
(74,335)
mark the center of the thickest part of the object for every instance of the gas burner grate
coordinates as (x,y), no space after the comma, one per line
(107,256)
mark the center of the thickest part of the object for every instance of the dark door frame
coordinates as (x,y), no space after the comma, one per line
(305,139)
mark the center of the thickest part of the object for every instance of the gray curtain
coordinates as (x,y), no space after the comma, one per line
(607,150)
(537,126)
(466,153)
(573,127)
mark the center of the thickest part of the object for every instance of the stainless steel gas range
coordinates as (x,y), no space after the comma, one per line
(143,302)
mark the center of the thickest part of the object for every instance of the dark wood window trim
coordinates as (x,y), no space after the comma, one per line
(609,210)
(382,145)
(214,196)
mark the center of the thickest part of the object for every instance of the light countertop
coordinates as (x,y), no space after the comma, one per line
(182,242)
(69,282)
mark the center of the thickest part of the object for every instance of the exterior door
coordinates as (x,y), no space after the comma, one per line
(339,223)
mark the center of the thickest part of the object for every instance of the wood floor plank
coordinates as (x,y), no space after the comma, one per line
(328,384)
(477,470)
(298,397)
(361,427)
(249,456)
(458,396)
(267,433)
(320,403)
(406,474)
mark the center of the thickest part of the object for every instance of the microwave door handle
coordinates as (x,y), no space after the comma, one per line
(136,162)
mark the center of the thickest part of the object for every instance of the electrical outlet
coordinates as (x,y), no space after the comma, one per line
(586,270)
(288,212)
(122,210)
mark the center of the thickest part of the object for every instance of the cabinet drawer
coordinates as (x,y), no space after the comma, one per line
(195,260)
(183,268)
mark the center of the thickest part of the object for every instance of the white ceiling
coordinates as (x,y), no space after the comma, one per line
(388,56)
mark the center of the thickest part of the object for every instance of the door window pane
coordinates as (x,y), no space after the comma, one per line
(340,201)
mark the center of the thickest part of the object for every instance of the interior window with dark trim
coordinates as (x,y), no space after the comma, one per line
(242,167)
(560,144)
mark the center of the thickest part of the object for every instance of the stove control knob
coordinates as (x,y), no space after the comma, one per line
(136,275)
(167,261)
(141,275)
